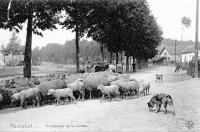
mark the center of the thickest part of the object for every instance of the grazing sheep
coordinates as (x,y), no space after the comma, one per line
(77,86)
(66,92)
(91,83)
(33,94)
(127,87)
(108,90)
(145,86)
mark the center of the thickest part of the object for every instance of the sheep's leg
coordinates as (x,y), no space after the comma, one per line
(90,95)
(58,100)
(34,103)
(109,96)
(25,104)
(83,95)
(165,106)
(102,97)
(22,103)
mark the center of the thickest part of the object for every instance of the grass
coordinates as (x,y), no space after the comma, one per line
(15,71)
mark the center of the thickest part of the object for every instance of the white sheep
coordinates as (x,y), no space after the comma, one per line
(145,86)
(77,85)
(108,90)
(112,68)
(127,87)
(66,92)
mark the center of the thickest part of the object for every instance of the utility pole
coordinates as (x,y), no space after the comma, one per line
(196,39)
(175,52)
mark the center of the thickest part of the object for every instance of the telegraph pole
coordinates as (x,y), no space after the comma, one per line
(196,39)
(175,52)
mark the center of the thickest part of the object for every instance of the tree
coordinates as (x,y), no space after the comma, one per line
(14,46)
(76,12)
(186,22)
(39,14)
(125,26)
(5,53)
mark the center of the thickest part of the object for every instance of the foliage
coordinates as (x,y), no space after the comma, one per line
(14,46)
(65,54)
(186,21)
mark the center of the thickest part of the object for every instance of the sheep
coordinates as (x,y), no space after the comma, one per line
(77,85)
(145,86)
(127,87)
(54,84)
(112,68)
(29,94)
(91,83)
(108,90)
(66,92)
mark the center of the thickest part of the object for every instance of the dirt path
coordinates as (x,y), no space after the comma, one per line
(121,115)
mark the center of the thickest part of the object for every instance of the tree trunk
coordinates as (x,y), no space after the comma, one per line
(77,49)
(27,54)
(101,49)
(117,56)
(122,60)
(127,63)
(139,63)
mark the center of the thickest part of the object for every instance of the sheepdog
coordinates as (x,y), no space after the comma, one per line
(159,77)
(160,99)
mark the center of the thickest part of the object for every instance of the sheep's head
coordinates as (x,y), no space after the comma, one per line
(14,98)
(50,92)
(100,87)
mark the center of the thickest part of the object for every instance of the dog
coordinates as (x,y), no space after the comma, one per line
(159,77)
(160,99)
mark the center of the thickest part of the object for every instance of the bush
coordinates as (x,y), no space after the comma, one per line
(6,93)
(191,68)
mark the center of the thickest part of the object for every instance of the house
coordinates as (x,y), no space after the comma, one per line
(188,54)
(170,53)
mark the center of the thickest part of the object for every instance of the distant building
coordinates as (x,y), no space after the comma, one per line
(169,54)
(188,54)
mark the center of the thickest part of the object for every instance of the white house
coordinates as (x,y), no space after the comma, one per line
(188,54)
(169,53)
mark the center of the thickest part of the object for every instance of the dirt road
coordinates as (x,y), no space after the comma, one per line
(122,115)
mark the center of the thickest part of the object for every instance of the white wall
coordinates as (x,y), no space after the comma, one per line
(186,57)
(165,54)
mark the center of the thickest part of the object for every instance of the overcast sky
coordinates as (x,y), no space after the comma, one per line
(168,14)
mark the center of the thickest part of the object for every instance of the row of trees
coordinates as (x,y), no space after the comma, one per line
(118,25)
(65,54)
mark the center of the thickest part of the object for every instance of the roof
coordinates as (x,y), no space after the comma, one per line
(157,58)
(188,49)
(161,50)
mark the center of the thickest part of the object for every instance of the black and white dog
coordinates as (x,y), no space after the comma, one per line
(160,99)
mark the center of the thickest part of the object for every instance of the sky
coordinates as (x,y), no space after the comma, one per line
(168,14)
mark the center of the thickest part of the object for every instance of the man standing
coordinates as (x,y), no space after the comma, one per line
(177,66)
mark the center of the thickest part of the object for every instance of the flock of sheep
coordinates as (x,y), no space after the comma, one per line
(79,86)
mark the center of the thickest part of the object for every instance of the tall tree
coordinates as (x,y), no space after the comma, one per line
(75,15)
(39,14)
(14,45)
(186,22)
